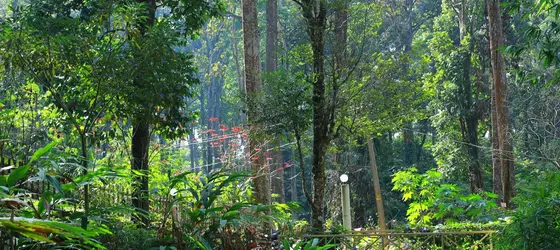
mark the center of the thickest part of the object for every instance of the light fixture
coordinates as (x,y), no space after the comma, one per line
(344,178)
(173,192)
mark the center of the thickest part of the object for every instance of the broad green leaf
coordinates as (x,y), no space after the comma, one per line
(42,151)
(17,175)
(56,184)
(3,180)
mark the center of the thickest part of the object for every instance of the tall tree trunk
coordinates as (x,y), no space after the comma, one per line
(85,221)
(240,82)
(202,121)
(500,103)
(271,36)
(408,133)
(408,140)
(293,179)
(469,119)
(271,63)
(140,146)
(476,182)
(341,37)
(193,150)
(253,86)
(316,23)
(315,13)
(496,165)
(141,138)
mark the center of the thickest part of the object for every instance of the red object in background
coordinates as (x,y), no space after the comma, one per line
(236,129)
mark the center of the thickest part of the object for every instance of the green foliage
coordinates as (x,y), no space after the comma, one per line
(54,234)
(287,100)
(432,200)
(538,26)
(129,237)
(211,210)
(307,245)
(31,226)
(535,224)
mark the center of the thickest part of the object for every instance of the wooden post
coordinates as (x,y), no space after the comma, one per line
(377,189)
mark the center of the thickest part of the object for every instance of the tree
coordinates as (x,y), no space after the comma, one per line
(500,114)
(459,102)
(405,19)
(61,52)
(271,63)
(161,71)
(315,14)
(253,85)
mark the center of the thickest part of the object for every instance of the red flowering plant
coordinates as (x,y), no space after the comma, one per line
(210,203)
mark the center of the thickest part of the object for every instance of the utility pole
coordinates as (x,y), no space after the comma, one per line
(377,189)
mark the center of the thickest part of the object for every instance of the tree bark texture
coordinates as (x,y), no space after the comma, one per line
(315,12)
(496,165)
(469,119)
(271,64)
(503,126)
(140,146)
(271,35)
(253,85)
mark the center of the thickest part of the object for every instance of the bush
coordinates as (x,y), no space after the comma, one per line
(129,237)
(433,200)
(535,223)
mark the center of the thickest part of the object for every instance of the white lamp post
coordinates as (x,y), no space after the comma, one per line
(345,194)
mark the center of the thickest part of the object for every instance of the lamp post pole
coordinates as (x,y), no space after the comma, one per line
(345,194)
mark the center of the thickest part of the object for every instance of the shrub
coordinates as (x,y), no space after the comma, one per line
(432,200)
(535,223)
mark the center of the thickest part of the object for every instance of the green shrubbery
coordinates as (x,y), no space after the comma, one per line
(432,200)
(535,223)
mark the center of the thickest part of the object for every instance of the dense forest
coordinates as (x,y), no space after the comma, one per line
(279,124)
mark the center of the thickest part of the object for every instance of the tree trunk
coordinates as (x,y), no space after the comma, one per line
(470,115)
(500,103)
(202,121)
(315,12)
(141,140)
(320,125)
(240,82)
(193,150)
(293,179)
(476,182)
(341,37)
(271,64)
(261,184)
(408,133)
(408,140)
(140,146)
(86,187)
(496,165)
(271,36)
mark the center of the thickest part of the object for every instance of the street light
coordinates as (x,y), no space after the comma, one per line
(345,194)
(344,178)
